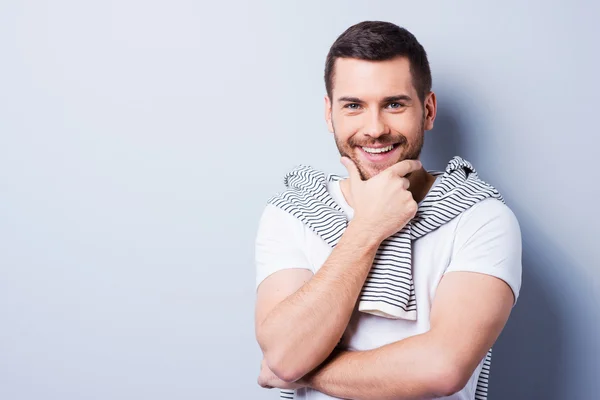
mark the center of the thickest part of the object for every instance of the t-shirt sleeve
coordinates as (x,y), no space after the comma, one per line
(488,241)
(280,243)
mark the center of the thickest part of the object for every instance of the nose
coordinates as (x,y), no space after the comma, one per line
(375,125)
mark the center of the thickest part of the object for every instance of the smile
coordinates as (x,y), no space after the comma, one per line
(380,155)
(373,150)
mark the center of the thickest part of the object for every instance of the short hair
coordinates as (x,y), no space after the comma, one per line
(380,41)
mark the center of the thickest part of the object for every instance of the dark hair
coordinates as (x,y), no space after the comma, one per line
(380,41)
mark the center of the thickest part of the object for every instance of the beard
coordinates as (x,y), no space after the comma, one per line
(408,150)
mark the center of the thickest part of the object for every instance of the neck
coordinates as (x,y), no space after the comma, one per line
(420,183)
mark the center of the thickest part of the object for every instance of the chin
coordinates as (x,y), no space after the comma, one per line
(370,172)
(374,169)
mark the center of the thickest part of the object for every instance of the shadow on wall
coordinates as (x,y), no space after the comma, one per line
(444,141)
(529,354)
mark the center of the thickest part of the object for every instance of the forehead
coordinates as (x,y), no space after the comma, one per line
(372,79)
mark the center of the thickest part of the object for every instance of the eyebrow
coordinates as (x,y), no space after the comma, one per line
(389,99)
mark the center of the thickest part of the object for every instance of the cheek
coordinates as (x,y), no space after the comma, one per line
(346,126)
(408,125)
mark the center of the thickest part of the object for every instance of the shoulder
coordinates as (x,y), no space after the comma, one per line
(488,241)
(275,221)
(489,214)
(488,231)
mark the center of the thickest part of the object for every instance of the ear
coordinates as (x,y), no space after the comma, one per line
(328,113)
(430,107)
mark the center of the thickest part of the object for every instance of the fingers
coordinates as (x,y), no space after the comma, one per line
(405,183)
(353,173)
(405,167)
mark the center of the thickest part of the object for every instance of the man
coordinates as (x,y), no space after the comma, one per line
(328,323)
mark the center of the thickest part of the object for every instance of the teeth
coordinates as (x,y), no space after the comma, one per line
(375,151)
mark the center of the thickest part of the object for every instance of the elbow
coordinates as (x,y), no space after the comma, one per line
(448,374)
(284,367)
(284,362)
(448,378)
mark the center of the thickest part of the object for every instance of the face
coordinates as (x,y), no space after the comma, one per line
(375,113)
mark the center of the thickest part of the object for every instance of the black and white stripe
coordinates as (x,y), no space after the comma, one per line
(389,289)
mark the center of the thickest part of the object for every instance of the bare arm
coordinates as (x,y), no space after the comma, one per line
(287,332)
(300,330)
(468,314)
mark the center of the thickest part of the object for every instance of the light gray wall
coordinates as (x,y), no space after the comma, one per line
(139,141)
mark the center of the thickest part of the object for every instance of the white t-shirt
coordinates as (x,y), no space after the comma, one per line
(485,238)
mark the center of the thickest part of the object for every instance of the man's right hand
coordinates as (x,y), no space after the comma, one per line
(383,204)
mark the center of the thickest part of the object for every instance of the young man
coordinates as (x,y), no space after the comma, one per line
(395,282)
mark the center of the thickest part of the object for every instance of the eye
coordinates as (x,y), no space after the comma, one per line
(352,106)
(395,106)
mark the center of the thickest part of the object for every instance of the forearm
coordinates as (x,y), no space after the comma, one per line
(301,331)
(408,369)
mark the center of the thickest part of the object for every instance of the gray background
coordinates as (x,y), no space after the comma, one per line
(139,141)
